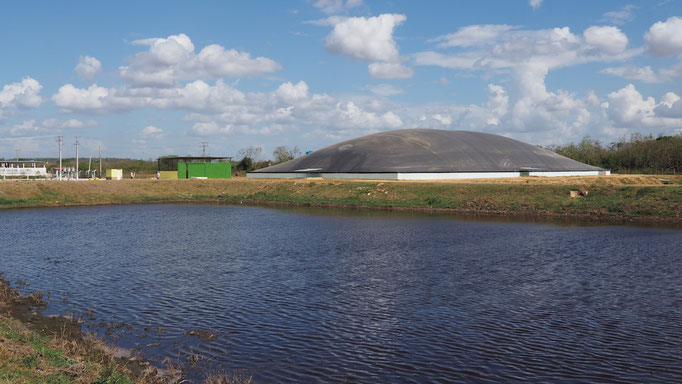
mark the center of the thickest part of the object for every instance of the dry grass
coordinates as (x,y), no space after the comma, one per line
(633,197)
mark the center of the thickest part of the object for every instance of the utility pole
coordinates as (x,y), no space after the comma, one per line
(89,163)
(76,157)
(17,151)
(100,162)
(203,148)
(59,140)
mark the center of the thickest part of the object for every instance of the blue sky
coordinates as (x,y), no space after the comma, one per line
(143,79)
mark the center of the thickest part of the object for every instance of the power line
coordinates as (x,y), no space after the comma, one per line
(25,138)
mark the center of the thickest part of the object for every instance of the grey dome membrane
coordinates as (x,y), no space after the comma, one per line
(429,151)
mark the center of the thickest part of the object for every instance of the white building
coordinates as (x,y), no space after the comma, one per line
(22,169)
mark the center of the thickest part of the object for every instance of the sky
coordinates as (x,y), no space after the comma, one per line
(152,78)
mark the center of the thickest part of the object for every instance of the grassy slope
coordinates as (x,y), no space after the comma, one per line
(27,357)
(629,197)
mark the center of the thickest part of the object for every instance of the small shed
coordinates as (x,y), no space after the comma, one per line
(189,167)
(114,174)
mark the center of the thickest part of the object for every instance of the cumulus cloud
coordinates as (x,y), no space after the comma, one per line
(222,109)
(606,39)
(91,99)
(664,38)
(535,4)
(366,38)
(369,39)
(172,59)
(628,108)
(24,94)
(196,96)
(670,106)
(88,67)
(529,55)
(498,103)
(535,113)
(620,16)
(290,93)
(336,6)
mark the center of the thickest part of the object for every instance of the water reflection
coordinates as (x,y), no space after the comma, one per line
(311,295)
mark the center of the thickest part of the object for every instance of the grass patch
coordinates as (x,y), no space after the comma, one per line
(628,196)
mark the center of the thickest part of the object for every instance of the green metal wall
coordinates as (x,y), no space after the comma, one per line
(210,170)
(182,170)
(219,170)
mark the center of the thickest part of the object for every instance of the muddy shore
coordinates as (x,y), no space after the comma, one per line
(55,349)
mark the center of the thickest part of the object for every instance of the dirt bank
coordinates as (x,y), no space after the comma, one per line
(617,197)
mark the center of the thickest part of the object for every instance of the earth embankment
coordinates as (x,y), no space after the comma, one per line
(615,197)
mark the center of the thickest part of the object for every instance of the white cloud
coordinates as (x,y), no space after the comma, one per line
(88,67)
(644,74)
(289,93)
(497,47)
(24,94)
(336,6)
(221,109)
(665,38)
(152,131)
(473,35)
(384,89)
(606,39)
(366,38)
(30,127)
(670,106)
(195,96)
(621,16)
(69,123)
(94,98)
(498,103)
(443,119)
(535,4)
(529,55)
(382,70)
(628,108)
(172,59)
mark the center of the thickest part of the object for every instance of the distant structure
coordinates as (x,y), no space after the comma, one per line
(426,154)
(22,169)
(195,167)
(114,174)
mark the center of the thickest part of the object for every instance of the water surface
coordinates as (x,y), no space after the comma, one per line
(332,296)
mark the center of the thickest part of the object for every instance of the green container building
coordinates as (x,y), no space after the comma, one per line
(189,167)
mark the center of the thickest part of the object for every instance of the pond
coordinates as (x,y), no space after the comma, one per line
(302,295)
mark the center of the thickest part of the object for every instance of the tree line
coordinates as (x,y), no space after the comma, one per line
(248,157)
(636,154)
